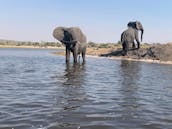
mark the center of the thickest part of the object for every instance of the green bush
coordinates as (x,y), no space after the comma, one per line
(92,44)
(104,45)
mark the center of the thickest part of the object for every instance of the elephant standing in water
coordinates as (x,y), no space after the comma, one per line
(74,40)
(131,34)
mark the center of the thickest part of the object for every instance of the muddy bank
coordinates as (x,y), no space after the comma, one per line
(158,52)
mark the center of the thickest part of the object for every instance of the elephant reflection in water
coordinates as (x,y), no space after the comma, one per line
(74,80)
(73,94)
(130,74)
(74,74)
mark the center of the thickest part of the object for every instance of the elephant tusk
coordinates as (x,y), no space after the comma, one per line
(142,34)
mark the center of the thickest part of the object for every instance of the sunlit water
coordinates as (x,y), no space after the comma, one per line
(39,91)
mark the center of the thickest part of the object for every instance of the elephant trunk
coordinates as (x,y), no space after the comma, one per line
(142,34)
(68,42)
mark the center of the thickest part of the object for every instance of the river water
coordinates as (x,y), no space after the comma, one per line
(39,91)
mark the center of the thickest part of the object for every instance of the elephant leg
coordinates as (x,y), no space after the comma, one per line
(125,46)
(67,55)
(83,55)
(123,49)
(75,56)
(79,57)
(138,45)
(133,45)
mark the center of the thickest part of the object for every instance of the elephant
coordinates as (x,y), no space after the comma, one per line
(131,34)
(73,39)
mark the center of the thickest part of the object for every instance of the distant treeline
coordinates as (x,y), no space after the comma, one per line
(28,43)
(103,45)
(57,44)
(111,45)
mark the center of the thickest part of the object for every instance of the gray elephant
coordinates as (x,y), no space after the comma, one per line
(131,34)
(74,41)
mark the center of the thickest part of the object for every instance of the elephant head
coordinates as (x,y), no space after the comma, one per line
(69,35)
(65,36)
(138,26)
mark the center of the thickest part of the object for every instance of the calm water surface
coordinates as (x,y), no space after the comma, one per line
(39,91)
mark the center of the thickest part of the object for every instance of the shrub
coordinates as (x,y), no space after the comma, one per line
(92,44)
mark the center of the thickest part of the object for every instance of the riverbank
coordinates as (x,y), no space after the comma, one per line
(131,59)
(155,53)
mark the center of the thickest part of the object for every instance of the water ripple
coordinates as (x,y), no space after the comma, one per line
(40,91)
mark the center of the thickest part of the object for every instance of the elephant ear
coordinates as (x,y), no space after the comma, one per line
(132,24)
(136,25)
(58,33)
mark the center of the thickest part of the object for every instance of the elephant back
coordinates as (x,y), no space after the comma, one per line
(77,34)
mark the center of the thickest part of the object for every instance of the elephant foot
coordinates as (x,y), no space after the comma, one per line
(133,46)
(75,61)
(67,61)
(124,53)
(138,46)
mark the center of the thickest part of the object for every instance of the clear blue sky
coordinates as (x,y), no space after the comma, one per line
(100,20)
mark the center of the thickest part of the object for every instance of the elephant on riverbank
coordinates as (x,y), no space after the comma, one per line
(73,39)
(131,34)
